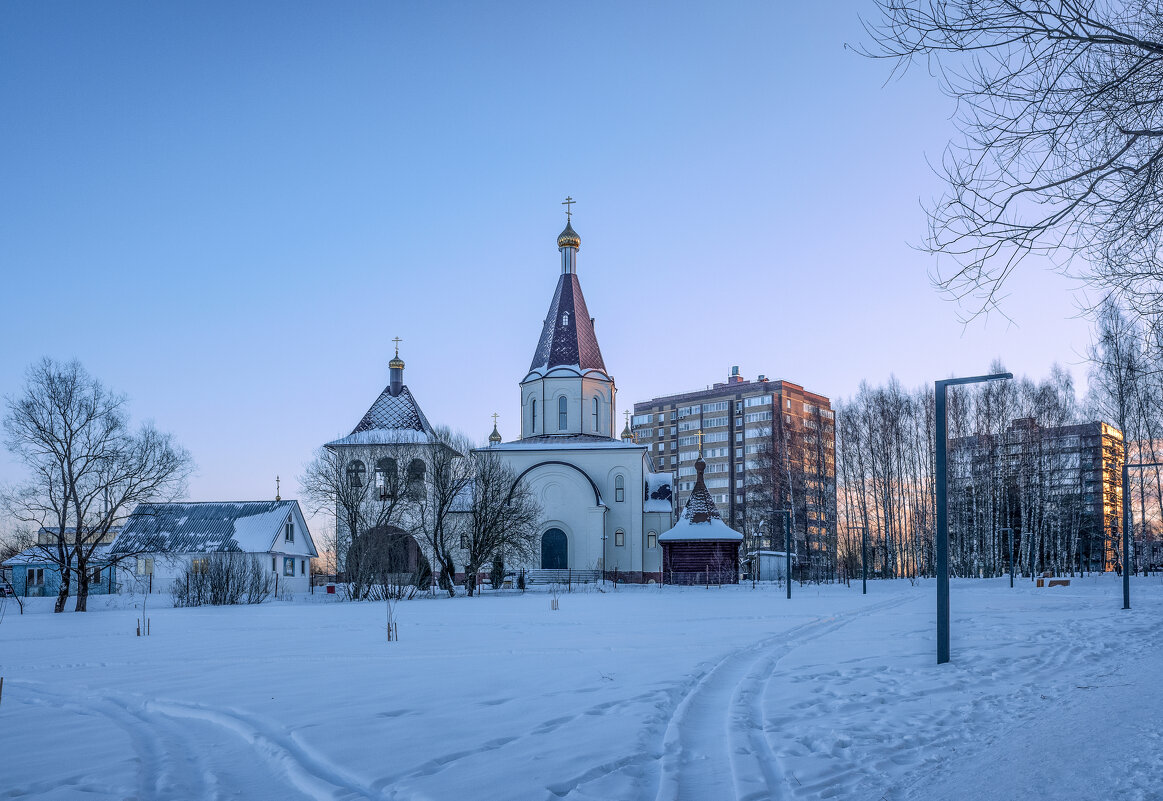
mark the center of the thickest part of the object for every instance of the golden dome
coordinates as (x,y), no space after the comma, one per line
(569,238)
(396,364)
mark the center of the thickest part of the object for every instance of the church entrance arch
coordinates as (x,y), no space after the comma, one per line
(554,550)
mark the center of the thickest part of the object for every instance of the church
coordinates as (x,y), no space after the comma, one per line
(603,504)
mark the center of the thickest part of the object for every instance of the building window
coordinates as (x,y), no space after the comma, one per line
(562,414)
(463,540)
(198,566)
(96,577)
(355,473)
(386,477)
(595,415)
(288,566)
(289,532)
(619,538)
(35,577)
(144,567)
(619,489)
(651,541)
(564,319)
(533,419)
(274,564)
(302,567)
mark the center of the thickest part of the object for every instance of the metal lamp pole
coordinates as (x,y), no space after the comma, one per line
(942,511)
(1127,525)
(787,548)
(864,560)
(1011,532)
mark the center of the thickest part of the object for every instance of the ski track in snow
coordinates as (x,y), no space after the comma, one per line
(716,742)
(169,765)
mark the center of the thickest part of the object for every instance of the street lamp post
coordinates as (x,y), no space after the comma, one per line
(1011,533)
(1127,525)
(942,511)
(787,549)
(864,560)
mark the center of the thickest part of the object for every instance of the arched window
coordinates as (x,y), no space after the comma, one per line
(564,319)
(619,489)
(355,473)
(386,477)
(619,538)
(562,414)
(595,415)
(533,428)
(416,477)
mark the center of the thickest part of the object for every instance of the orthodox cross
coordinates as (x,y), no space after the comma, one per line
(277,496)
(397,340)
(700,442)
(495,416)
(568,203)
(627,413)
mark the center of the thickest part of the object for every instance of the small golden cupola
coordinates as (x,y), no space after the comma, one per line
(495,437)
(396,371)
(568,238)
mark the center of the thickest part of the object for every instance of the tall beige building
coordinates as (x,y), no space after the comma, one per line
(767,444)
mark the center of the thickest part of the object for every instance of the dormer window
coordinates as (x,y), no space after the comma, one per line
(564,319)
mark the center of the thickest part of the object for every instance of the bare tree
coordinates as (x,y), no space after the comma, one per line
(1061,108)
(503,517)
(362,489)
(445,501)
(87,468)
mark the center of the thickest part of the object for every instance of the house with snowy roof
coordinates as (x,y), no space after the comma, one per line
(173,536)
(700,547)
(603,502)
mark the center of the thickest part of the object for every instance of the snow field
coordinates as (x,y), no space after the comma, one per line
(642,693)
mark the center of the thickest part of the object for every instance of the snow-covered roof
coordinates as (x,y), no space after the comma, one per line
(567,335)
(659,492)
(382,436)
(700,519)
(567,442)
(391,419)
(246,526)
(45,554)
(687,530)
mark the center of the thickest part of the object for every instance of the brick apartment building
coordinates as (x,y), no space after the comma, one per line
(752,432)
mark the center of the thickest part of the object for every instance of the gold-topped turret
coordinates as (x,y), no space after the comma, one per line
(569,238)
(495,437)
(627,434)
(396,363)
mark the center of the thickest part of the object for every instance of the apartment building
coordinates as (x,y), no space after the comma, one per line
(748,428)
(1060,482)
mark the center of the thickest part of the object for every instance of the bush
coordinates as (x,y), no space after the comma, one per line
(223,579)
(497,574)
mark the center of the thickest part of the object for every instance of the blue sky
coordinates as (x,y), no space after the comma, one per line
(228,210)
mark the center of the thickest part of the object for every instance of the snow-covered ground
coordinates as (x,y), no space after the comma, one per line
(636,694)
